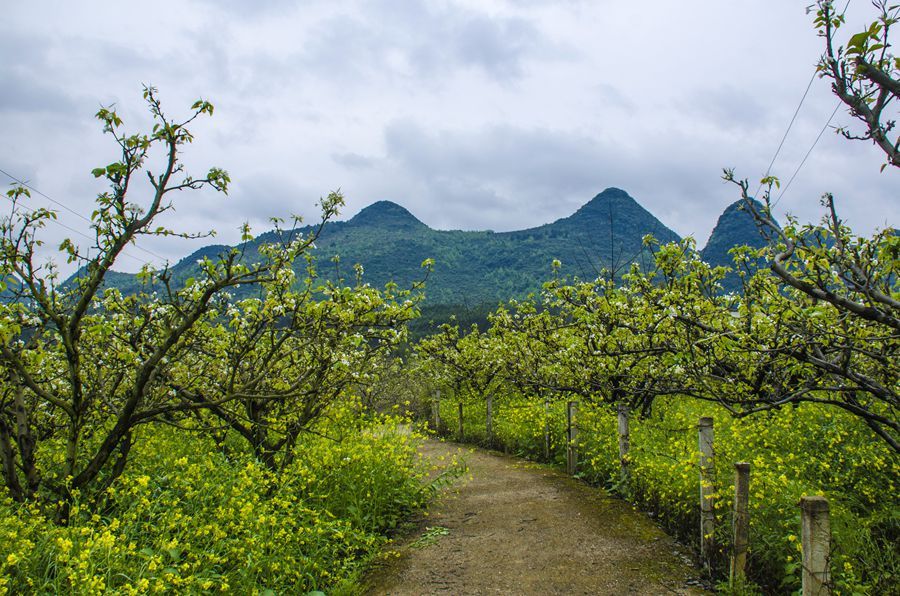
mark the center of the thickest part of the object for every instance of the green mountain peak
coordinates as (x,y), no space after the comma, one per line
(385,214)
(735,227)
(612,207)
(604,236)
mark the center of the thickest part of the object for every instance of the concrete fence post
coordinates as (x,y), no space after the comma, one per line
(707,488)
(547,430)
(489,420)
(624,444)
(741,524)
(436,411)
(815,537)
(572,432)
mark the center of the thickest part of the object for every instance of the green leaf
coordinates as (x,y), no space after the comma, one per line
(856,43)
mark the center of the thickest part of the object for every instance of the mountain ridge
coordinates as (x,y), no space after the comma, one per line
(385,213)
(734,227)
(471,267)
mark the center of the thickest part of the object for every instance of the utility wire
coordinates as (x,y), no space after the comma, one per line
(821,132)
(57,222)
(794,175)
(790,125)
(77,214)
(29,187)
(82,234)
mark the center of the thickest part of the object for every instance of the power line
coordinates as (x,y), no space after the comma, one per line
(77,214)
(57,222)
(82,234)
(29,187)
(803,161)
(791,124)
(821,132)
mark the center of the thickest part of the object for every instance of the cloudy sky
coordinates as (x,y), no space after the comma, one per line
(473,114)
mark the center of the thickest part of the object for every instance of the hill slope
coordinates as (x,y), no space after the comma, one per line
(484,267)
(735,227)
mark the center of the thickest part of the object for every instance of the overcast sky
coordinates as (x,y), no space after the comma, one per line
(473,114)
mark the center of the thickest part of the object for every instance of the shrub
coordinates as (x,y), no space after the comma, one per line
(186,517)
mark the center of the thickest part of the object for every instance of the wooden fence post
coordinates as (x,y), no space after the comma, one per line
(436,410)
(815,536)
(462,435)
(741,520)
(707,481)
(624,445)
(489,422)
(547,430)
(572,432)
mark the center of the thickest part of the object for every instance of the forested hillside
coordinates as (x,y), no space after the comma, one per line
(262,418)
(473,269)
(735,227)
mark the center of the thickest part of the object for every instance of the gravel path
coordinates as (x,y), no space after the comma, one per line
(513,527)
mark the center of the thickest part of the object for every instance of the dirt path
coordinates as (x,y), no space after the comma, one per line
(513,527)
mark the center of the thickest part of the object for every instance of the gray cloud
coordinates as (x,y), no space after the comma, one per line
(22,93)
(726,107)
(252,10)
(353,160)
(610,96)
(506,114)
(514,178)
(520,158)
(496,47)
(25,87)
(420,40)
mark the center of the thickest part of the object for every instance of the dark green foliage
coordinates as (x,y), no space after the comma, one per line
(475,270)
(470,268)
(464,315)
(386,214)
(735,227)
(9,287)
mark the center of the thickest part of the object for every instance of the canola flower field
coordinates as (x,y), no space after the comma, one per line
(797,451)
(190,516)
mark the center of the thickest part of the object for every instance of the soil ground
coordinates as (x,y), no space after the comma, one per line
(508,526)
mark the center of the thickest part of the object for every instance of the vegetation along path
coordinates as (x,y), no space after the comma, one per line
(509,526)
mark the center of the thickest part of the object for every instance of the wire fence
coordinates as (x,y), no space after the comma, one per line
(565,435)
